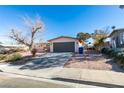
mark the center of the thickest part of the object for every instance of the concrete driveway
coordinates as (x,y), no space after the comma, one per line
(42,66)
(48,60)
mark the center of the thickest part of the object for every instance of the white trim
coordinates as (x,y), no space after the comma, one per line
(76,46)
(51,47)
(64,40)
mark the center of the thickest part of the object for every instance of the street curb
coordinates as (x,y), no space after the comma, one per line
(49,80)
(100,84)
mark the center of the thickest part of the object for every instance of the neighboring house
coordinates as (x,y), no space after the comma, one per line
(64,44)
(1,48)
(117,39)
(4,47)
(7,47)
(42,47)
(90,43)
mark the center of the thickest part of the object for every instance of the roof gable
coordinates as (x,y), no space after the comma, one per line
(62,37)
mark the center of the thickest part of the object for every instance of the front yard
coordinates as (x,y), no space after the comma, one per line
(89,67)
(92,61)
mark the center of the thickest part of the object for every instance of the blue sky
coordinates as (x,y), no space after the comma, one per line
(61,20)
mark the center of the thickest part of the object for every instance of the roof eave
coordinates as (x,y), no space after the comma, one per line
(61,37)
(116,30)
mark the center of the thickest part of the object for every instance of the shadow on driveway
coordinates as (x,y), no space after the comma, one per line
(43,62)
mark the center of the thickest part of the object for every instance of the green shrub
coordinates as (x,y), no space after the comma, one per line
(2,56)
(103,50)
(14,57)
(117,56)
(120,59)
(109,52)
(112,53)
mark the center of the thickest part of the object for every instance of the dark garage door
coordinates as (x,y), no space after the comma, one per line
(64,47)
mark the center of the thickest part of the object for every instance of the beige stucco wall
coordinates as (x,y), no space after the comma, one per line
(64,40)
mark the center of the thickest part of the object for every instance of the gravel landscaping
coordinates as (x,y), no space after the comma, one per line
(92,61)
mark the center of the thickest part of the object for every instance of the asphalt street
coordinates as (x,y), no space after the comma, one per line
(18,82)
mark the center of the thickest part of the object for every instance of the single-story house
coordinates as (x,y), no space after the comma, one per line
(64,44)
(117,39)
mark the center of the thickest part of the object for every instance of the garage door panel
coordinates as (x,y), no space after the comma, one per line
(64,47)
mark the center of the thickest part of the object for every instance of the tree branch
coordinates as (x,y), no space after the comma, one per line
(15,35)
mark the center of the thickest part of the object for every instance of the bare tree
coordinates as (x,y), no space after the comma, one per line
(101,33)
(99,36)
(34,26)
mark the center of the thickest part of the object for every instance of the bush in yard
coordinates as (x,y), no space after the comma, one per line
(14,57)
(103,50)
(109,52)
(112,53)
(120,59)
(106,51)
(2,56)
(117,56)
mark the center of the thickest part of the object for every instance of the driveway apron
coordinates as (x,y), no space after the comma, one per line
(44,66)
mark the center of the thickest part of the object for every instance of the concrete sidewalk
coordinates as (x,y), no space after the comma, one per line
(89,77)
(101,78)
(93,77)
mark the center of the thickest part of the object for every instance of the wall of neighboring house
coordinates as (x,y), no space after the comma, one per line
(117,41)
(1,48)
(64,40)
